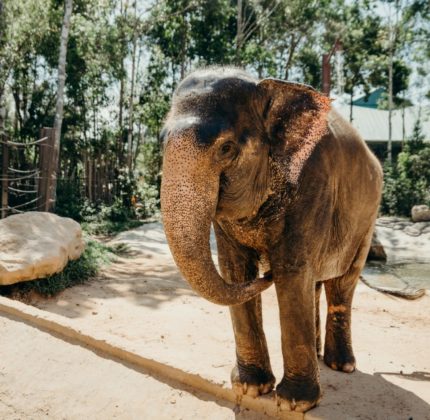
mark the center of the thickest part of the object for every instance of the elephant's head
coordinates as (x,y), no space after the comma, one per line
(223,129)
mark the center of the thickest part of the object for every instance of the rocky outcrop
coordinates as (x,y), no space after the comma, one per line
(404,225)
(376,251)
(35,245)
(420,213)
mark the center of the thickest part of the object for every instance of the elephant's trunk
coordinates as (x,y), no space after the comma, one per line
(189,194)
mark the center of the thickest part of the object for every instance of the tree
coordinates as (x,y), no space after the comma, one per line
(60,90)
(358,28)
(19,38)
(131,99)
(124,59)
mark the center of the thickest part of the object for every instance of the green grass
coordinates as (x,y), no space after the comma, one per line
(108,227)
(76,272)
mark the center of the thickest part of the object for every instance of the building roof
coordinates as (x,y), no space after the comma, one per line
(372,123)
(371,100)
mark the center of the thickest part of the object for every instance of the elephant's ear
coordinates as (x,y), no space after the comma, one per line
(295,119)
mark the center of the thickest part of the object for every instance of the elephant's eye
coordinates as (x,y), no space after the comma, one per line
(227,150)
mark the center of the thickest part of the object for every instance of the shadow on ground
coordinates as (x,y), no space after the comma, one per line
(370,396)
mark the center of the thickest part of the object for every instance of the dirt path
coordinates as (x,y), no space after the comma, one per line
(142,304)
(65,381)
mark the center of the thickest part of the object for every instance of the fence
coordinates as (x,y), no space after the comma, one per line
(25,189)
(30,179)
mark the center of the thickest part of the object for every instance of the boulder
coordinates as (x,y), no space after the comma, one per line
(412,231)
(420,213)
(376,251)
(34,245)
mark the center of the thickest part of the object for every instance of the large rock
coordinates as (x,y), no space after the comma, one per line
(421,213)
(35,245)
(376,251)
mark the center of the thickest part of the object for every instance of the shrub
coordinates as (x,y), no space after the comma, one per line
(69,201)
(407,182)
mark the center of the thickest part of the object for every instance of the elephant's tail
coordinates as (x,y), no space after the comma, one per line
(406,292)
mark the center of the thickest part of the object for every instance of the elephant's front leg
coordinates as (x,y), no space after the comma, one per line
(252,374)
(299,389)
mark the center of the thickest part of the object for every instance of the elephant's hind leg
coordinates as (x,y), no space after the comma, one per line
(338,353)
(252,374)
(318,288)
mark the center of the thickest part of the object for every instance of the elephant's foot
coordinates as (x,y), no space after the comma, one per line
(298,394)
(251,380)
(340,359)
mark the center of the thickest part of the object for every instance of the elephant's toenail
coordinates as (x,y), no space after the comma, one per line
(348,367)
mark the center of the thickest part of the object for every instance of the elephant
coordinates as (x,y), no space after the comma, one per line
(292,192)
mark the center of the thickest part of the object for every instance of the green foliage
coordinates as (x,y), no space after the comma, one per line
(107,227)
(358,28)
(76,272)
(154,99)
(407,182)
(109,219)
(70,200)
(188,30)
(309,62)
(106,113)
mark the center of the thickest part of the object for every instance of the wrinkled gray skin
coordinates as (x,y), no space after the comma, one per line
(293,193)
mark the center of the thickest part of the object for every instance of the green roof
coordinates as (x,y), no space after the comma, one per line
(371,100)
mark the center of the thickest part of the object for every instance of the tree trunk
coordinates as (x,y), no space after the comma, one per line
(390,107)
(138,143)
(1,19)
(403,120)
(393,40)
(3,172)
(120,143)
(131,100)
(292,49)
(60,92)
(239,32)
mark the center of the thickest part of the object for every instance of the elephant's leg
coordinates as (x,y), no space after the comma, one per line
(252,374)
(318,288)
(299,389)
(338,353)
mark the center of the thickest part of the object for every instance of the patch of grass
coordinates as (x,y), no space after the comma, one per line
(109,227)
(76,272)
(120,249)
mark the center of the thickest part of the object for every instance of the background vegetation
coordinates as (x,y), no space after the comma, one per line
(407,181)
(125,58)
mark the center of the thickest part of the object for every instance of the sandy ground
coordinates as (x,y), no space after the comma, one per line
(66,381)
(142,303)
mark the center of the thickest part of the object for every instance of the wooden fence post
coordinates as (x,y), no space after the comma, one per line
(48,173)
(4,182)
